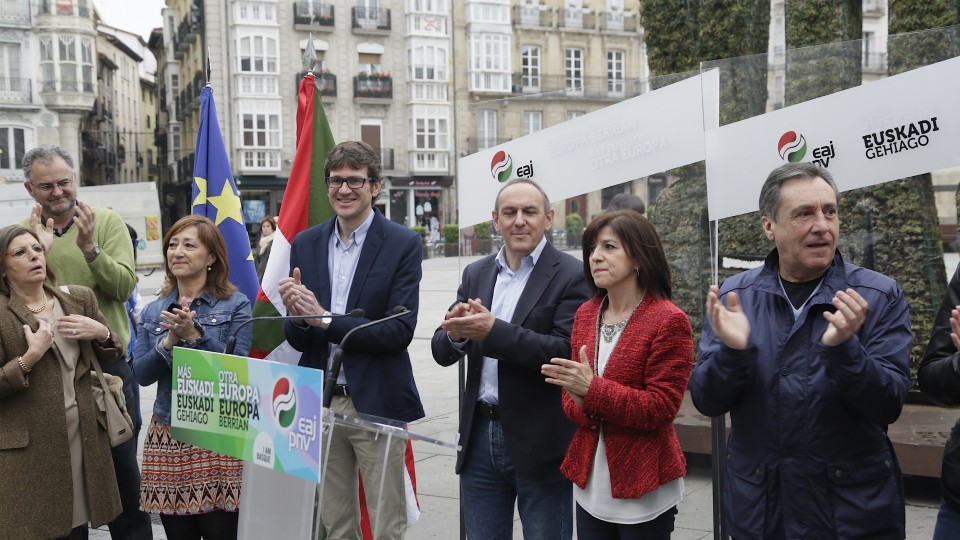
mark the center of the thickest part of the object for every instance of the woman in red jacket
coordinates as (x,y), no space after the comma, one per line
(635,351)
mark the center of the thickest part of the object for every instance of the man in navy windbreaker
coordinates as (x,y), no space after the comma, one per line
(809,355)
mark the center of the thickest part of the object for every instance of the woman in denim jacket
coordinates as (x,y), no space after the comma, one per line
(195,491)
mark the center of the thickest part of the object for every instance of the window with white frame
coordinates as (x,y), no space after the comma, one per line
(530,68)
(10,75)
(12,148)
(258,54)
(615,15)
(490,11)
(486,128)
(431,133)
(574,69)
(258,60)
(490,62)
(575,114)
(256,12)
(532,122)
(427,6)
(68,63)
(175,141)
(615,72)
(48,69)
(86,63)
(428,63)
(260,140)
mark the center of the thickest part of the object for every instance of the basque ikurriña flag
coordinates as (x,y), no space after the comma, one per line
(215,196)
(305,204)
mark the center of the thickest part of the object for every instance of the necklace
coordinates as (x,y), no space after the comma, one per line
(42,306)
(609,331)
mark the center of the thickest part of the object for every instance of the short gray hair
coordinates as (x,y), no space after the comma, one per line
(514,182)
(45,154)
(770,192)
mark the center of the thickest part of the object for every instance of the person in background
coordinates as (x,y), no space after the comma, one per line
(631,355)
(513,313)
(268,226)
(56,474)
(91,247)
(810,356)
(195,491)
(939,377)
(626,201)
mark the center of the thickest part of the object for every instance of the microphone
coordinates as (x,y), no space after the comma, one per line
(331,380)
(232,340)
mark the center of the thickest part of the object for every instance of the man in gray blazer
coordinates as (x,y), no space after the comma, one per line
(513,313)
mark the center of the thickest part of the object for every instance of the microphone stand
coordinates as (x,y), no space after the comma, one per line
(331,379)
(232,340)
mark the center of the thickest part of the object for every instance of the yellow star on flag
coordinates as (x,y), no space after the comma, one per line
(227,204)
(202,194)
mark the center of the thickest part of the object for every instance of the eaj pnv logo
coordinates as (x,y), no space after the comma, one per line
(284,403)
(792,147)
(502,166)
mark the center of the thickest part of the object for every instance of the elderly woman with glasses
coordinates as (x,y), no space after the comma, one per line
(56,473)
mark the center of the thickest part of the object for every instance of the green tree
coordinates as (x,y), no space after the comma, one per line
(678,38)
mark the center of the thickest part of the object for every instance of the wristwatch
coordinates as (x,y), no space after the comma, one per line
(93,255)
(326,320)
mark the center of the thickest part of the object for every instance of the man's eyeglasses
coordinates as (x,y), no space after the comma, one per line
(352,183)
(22,252)
(47,188)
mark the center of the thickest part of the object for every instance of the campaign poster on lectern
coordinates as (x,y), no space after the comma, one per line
(259,411)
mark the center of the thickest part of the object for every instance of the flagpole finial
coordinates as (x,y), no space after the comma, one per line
(209,67)
(310,55)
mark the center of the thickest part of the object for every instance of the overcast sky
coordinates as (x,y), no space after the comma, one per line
(139,17)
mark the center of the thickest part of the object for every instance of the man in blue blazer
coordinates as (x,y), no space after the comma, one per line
(513,313)
(358,260)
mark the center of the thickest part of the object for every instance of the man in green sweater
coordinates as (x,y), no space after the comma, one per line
(91,247)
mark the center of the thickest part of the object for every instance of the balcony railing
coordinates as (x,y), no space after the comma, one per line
(18,13)
(185,169)
(557,86)
(373,86)
(66,86)
(872,7)
(617,21)
(313,13)
(326,83)
(533,16)
(15,90)
(875,62)
(189,28)
(365,18)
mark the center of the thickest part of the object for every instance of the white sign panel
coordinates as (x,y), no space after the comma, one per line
(900,126)
(640,136)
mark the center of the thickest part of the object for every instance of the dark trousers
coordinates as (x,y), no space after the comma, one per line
(131,524)
(216,525)
(591,528)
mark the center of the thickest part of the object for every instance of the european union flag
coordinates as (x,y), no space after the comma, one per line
(215,196)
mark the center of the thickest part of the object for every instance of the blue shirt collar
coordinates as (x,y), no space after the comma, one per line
(533,257)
